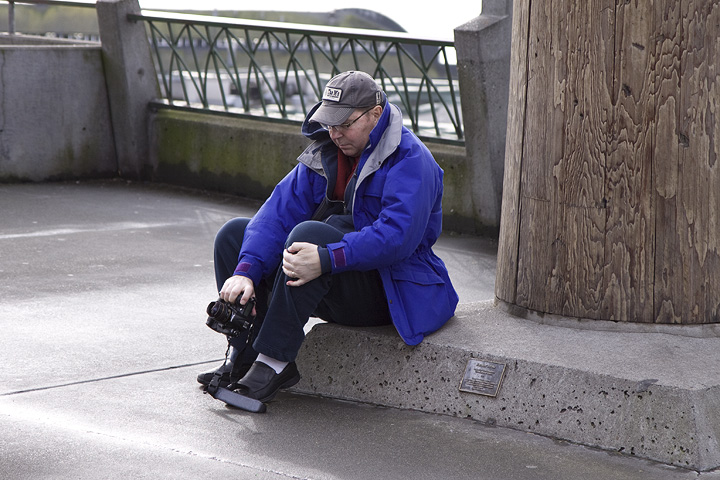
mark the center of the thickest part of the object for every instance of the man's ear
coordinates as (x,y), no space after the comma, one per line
(377,112)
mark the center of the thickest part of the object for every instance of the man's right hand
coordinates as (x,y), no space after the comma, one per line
(238,286)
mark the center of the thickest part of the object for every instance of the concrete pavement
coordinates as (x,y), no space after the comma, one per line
(103,287)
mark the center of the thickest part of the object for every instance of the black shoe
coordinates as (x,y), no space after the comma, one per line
(262,383)
(229,375)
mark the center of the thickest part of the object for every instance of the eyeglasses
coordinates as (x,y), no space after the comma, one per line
(344,126)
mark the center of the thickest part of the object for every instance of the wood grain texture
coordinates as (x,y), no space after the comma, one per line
(630,229)
(565,154)
(506,278)
(612,178)
(688,282)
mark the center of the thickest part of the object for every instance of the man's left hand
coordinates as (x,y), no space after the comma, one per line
(301,262)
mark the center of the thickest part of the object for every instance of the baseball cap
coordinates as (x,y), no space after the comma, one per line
(345,93)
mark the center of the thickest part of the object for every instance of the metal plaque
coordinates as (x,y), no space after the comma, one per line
(482,377)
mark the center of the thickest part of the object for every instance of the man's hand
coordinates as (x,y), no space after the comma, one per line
(238,286)
(301,262)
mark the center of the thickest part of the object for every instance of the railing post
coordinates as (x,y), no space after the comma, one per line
(132,83)
(11,18)
(483,50)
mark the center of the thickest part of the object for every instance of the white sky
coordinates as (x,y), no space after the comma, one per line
(423,18)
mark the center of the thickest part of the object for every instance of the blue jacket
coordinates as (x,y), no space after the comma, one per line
(396,211)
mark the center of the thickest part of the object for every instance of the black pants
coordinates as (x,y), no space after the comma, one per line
(349,298)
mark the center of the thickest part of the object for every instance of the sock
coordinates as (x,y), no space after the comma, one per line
(276,365)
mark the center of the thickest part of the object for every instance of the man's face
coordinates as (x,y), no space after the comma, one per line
(352,137)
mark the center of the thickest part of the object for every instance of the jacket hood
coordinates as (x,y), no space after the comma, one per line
(312,129)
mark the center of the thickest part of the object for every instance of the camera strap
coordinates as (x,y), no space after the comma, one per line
(232,398)
(228,396)
(239,401)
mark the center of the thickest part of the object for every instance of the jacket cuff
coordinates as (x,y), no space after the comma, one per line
(337,257)
(250,270)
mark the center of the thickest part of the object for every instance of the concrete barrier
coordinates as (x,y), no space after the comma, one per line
(592,383)
(483,50)
(248,157)
(54,119)
(132,83)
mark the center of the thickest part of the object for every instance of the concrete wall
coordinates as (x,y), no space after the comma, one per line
(483,50)
(132,82)
(248,157)
(54,113)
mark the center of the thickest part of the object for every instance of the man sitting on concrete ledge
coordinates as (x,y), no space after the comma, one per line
(346,236)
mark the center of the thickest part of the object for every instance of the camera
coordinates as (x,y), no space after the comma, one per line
(230,319)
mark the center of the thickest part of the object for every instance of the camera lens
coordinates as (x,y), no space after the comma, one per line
(217,310)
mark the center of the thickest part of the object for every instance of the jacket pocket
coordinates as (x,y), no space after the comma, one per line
(421,277)
(423,300)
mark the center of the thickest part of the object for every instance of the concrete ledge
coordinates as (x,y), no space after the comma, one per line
(221,153)
(247,157)
(54,111)
(649,394)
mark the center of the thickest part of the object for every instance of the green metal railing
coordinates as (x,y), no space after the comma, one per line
(278,70)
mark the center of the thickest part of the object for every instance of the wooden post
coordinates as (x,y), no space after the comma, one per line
(611,200)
